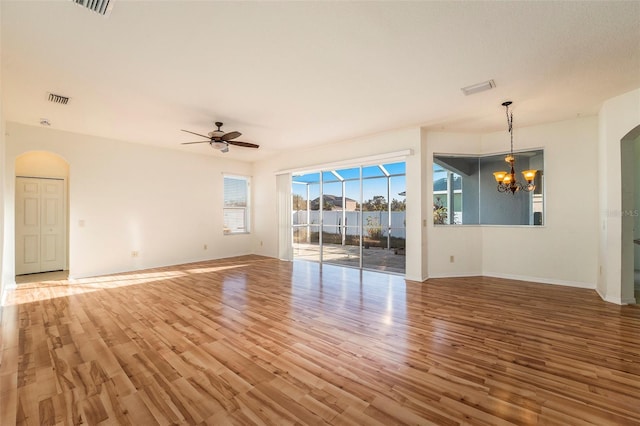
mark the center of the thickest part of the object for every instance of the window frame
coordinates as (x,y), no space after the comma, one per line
(246,209)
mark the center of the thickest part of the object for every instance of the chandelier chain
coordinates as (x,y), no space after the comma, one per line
(510,125)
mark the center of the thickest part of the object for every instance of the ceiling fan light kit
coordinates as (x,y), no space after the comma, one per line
(220,140)
(220,146)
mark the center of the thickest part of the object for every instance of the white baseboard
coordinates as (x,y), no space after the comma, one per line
(616,300)
(5,290)
(602,296)
(578,284)
(517,278)
(455,275)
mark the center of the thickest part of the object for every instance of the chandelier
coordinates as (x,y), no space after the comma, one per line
(507,182)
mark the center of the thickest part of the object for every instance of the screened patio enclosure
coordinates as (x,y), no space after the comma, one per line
(352,216)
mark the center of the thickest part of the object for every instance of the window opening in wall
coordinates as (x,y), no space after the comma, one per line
(464,191)
(236,204)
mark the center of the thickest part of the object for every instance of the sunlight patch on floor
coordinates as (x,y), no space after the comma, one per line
(38,287)
(214,269)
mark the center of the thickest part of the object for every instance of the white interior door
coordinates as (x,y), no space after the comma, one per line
(40,225)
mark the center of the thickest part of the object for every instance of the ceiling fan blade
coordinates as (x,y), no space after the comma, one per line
(244,144)
(230,135)
(194,133)
(189,143)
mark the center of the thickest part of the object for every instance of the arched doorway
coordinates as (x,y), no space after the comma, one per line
(630,211)
(41,213)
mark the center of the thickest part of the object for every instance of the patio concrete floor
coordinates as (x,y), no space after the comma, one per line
(374,258)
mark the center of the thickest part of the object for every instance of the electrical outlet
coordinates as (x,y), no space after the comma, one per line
(452,259)
(135,253)
(204,247)
(260,243)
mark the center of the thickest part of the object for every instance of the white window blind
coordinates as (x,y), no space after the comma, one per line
(236,204)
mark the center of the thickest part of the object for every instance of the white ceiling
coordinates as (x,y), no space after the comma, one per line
(288,74)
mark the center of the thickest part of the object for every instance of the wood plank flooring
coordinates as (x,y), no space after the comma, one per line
(253,340)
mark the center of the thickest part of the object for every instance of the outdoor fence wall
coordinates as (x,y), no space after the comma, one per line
(333,221)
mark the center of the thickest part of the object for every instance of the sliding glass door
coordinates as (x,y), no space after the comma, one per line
(341,217)
(383,214)
(352,216)
(306,219)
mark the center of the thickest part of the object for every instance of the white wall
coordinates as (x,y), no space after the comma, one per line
(564,250)
(618,117)
(5,277)
(265,188)
(464,243)
(165,204)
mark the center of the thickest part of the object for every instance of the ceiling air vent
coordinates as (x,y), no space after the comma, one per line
(480,87)
(103,7)
(58,99)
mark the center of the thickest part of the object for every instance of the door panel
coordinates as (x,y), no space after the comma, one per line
(31,212)
(340,233)
(27,226)
(40,226)
(49,248)
(31,251)
(52,253)
(50,213)
(31,188)
(306,216)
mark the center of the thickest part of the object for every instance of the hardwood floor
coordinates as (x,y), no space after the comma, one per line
(253,340)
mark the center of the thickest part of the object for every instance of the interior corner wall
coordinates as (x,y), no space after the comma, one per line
(266,223)
(464,243)
(636,207)
(618,116)
(563,250)
(124,197)
(427,205)
(5,278)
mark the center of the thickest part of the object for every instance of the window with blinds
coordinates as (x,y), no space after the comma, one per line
(236,204)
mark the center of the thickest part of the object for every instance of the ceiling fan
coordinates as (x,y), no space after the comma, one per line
(221,140)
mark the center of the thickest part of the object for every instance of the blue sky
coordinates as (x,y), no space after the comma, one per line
(376,185)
